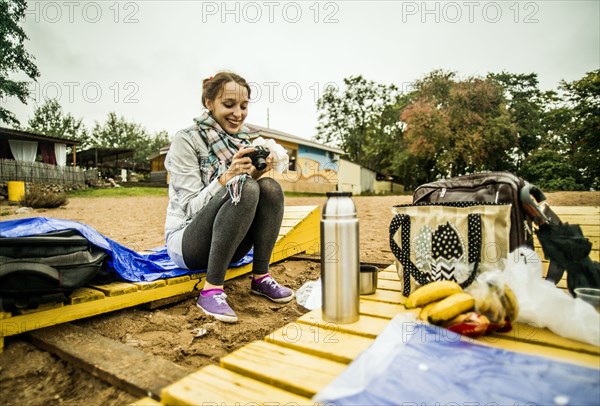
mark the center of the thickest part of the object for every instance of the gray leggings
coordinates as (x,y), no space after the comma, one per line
(223,232)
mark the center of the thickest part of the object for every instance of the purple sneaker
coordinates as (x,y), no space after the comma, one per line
(216,305)
(268,287)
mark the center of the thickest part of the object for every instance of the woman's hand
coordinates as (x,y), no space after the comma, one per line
(255,173)
(240,164)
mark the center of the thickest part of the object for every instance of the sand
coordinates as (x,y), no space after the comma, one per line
(31,376)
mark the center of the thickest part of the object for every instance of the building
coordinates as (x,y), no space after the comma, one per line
(32,157)
(313,167)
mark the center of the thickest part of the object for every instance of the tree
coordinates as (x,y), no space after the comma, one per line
(583,96)
(117,132)
(50,119)
(525,103)
(13,56)
(357,119)
(458,126)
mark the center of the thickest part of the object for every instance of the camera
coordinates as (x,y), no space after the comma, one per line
(259,157)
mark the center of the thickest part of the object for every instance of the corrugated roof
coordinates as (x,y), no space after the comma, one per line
(13,134)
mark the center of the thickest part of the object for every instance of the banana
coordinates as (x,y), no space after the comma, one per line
(510,303)
(425,311)
(431,292)
(451,307)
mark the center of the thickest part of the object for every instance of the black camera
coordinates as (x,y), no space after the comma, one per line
(259,157)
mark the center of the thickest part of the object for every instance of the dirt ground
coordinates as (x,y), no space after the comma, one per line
(29,376)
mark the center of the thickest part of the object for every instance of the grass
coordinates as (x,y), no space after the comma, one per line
(120,192)
(149,191)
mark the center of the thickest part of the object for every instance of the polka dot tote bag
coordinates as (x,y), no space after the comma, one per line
(447,241)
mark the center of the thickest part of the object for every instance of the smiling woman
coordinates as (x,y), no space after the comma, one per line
(218,207)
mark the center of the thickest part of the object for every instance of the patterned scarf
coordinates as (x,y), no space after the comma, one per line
(222,147)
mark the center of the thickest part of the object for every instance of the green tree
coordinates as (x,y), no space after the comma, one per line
(525,103)
(583,96)
(117,132)
(549,169)
(357,119)
(458,126)
(13,56)
(51,120)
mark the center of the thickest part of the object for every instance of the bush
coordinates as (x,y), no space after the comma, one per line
(40,199)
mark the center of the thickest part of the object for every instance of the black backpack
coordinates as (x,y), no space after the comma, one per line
(46,268)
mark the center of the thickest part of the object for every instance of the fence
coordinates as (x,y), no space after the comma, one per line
(39,172)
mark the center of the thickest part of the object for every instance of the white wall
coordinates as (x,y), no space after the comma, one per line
(349,177)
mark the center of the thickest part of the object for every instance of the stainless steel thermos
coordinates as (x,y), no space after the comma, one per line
(340,262)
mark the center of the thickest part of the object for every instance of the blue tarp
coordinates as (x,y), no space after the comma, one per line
(413,363)
(130,265)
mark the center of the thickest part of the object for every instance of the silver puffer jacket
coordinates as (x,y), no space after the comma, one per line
(190,187)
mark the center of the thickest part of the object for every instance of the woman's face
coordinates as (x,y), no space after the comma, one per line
(230,107)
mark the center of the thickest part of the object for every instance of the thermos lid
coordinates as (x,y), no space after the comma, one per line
(339,194)
(338,207)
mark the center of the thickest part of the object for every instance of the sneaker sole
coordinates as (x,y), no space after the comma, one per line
(221,317)
(280,300)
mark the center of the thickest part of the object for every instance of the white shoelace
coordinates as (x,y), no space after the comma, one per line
(221,298)
(270,281)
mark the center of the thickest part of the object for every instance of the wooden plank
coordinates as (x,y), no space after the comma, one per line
(282,367)
(131,369)
(387,296)
(325,343)
(291,222)
(3,315)
(387,284)
(197,275)
(288,247)
(145,402)
(40,308)
(159,283)
(116,288)
(178,279)
(383,310)
(387,275)
(213,385)
(583,210)
(301,209)
(542,336)
(84,294)
(559,354)
(284,230)
(23,323)
(155,304)
(366,326)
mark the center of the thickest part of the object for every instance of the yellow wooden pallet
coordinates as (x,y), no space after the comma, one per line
(299,233)
(296,361)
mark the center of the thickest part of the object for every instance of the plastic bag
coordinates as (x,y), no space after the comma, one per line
(494,300)
(309,295)
(413,363)
(281,159)
(542,304)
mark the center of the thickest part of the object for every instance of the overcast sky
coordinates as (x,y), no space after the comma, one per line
(146,60)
